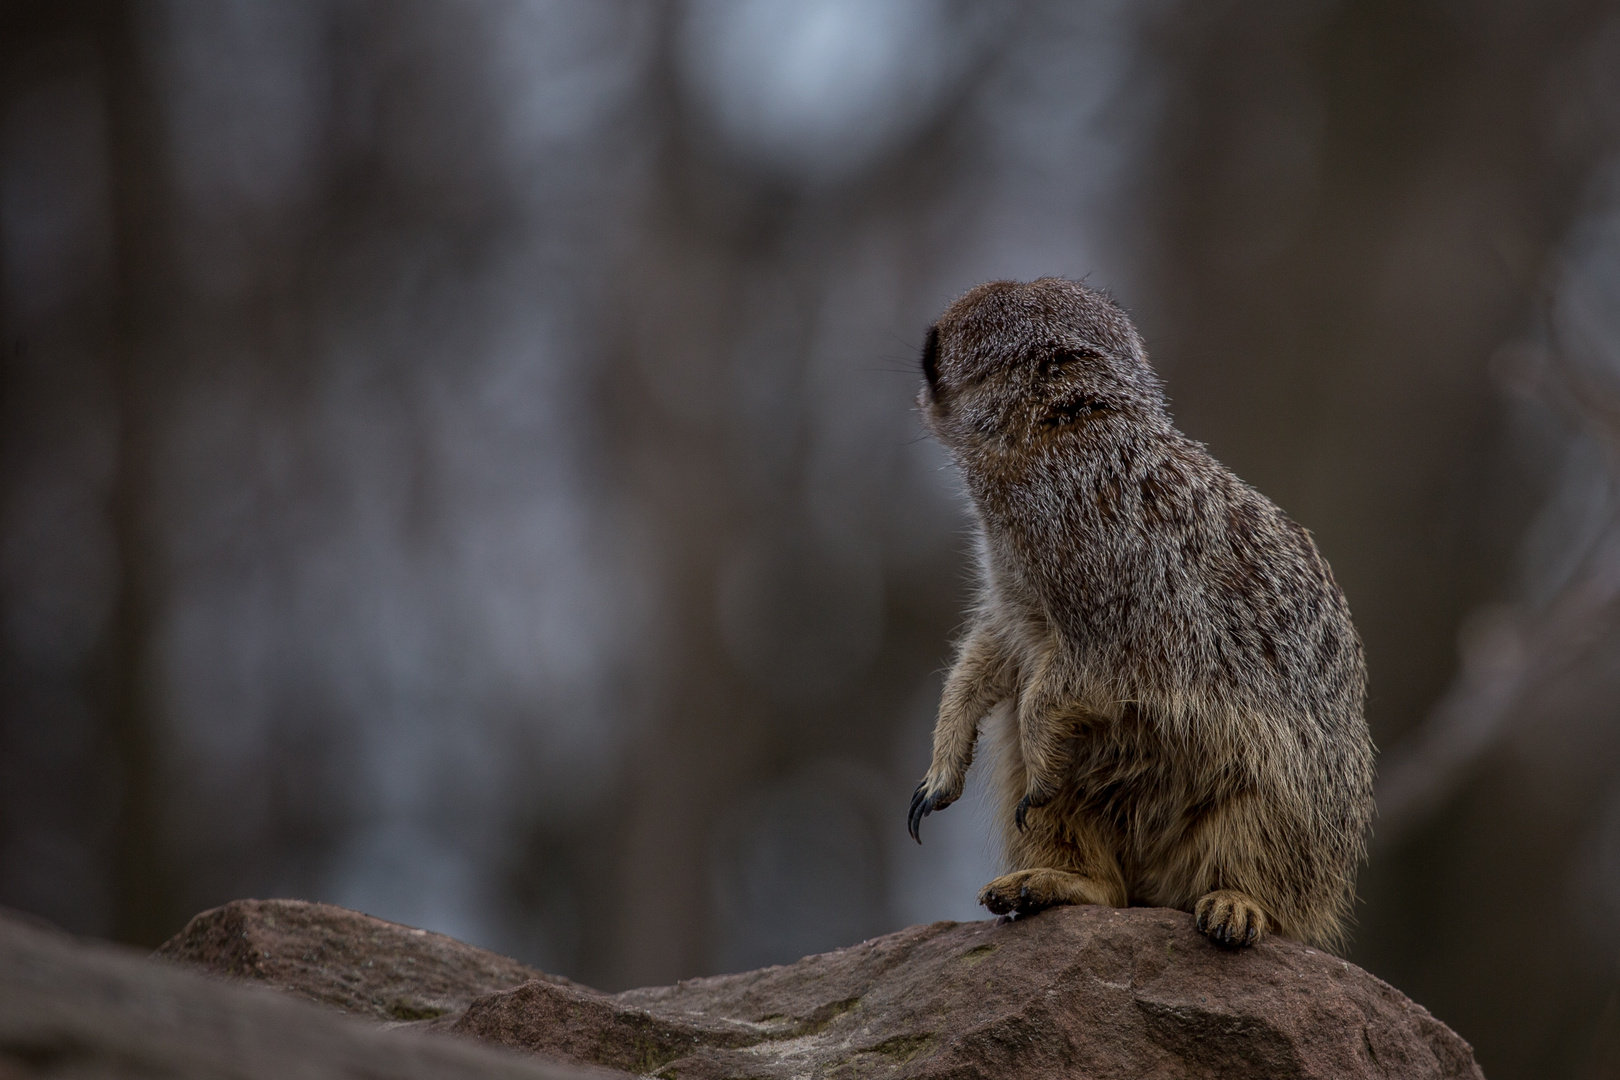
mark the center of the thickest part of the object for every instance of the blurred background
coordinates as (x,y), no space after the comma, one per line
(457,460)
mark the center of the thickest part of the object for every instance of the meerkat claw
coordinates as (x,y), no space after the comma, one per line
(925,801)
(1030,801)
(921,807)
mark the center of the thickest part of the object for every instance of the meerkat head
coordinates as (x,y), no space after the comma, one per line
(1013,365)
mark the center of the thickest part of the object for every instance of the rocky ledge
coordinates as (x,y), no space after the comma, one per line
(1071,992)
(84,1010)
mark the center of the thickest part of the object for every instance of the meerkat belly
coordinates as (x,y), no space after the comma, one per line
(1136,781)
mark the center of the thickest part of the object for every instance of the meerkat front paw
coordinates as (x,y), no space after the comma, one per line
(1025,892)
(1230,918)
(930,795)
(1034,799)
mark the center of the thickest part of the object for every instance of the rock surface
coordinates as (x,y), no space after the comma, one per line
(1082,991)
(74,1009)
(342,958)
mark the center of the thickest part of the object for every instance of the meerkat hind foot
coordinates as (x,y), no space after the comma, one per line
(1025,892)
(1230,918)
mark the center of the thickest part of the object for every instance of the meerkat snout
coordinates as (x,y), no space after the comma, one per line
(930,364)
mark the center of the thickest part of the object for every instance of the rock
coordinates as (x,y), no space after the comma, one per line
(86,1010)
(342,958)
(1080,991)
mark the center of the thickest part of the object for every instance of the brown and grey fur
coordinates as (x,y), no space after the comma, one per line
(1168,667)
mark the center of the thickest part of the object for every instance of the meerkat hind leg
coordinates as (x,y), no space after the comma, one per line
(1231,918)
(1066,854)
(1029,891)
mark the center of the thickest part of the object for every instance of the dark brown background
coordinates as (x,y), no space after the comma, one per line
(457,460)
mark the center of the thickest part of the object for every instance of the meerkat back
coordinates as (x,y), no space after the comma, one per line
(1177,684)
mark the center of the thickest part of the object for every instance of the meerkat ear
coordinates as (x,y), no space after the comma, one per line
(930,358)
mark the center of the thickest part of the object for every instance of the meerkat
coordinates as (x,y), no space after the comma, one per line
(1167,667)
